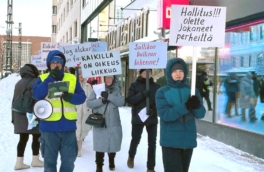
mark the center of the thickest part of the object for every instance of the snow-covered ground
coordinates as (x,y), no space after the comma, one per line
(209,156)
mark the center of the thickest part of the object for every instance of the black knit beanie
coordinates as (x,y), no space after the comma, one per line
(142,70)
(177,66)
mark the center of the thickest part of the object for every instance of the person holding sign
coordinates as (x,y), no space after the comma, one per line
(177,111)
(58,130)
(109,138)
(137,95)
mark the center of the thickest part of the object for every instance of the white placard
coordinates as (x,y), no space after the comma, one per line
(74,52)
(37,61)
(147,55)
(197,26)
(98,88)
(102,63)
(46,47)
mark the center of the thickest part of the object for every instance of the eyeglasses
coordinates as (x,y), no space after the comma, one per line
(108,78)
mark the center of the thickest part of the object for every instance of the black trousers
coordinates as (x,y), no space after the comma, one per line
(99,157)
(176,160)
(23,139)
(137,130)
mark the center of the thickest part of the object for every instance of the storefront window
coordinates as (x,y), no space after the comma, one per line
(204,75)
(240,74)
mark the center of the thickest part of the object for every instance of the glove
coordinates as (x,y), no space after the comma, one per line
(193,102)
(104,94)
(104,100)
(145,93)
(55,73)
(66,96)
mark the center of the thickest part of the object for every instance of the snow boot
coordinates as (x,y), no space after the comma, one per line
(111,161)
(99,167)
(130,162)
(20,164)
(79,143)
(36,162)
(150,171)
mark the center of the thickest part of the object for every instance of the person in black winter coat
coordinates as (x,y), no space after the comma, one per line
(137,95)
(28,74)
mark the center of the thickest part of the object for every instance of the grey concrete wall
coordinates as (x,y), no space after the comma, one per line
(246,141)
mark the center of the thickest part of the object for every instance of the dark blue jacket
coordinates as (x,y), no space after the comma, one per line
(40,91)
(177,123)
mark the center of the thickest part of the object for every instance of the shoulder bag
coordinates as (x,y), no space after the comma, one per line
(97,119)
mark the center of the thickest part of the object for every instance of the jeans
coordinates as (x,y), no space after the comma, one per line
(176,160)
(137,130)
(53,143)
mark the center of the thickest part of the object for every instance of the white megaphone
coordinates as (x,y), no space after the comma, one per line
(42,109)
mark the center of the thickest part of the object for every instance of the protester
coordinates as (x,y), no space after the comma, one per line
(107,139)
(58,132)
(177,111)
(83,113)
(28,74)
(137,95)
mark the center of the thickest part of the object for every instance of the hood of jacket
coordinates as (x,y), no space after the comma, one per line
(55,53)
(29,70)
(169,78)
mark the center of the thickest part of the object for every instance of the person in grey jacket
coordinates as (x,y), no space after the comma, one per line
(28,74)
(107,139)
(83,113)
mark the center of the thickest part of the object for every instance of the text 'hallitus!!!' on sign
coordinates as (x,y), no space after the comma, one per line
(74,52)
(197,26)
(147,55)
(102,63)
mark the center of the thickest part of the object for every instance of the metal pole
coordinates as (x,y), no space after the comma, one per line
(147,88)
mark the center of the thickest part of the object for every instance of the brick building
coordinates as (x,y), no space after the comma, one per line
(30,46)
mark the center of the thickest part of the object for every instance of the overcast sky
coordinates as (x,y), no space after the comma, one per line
(35,16)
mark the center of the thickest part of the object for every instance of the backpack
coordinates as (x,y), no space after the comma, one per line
(24,102)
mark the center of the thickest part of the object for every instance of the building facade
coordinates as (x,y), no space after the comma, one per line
(66,21)
(30,46)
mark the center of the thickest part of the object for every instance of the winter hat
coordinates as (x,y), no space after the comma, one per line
(142,70)
(57,59)
(177,66)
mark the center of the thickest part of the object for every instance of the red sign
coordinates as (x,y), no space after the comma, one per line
(164,11)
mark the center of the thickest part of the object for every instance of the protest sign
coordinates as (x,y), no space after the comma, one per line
(38,62)
(147,55)
(197,26)
(102,63)
(46,47)
(74,52)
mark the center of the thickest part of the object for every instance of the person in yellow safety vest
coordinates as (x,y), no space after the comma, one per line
(58,131)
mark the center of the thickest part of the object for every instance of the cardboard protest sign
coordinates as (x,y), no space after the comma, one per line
(46,47)
(147,55)
(38,62)
(102,63)
(197,26)
(74,52)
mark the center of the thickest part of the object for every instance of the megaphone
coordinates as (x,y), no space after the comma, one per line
(42,109)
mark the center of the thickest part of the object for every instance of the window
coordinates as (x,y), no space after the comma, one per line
(54,30)
(75,29)
(54,10)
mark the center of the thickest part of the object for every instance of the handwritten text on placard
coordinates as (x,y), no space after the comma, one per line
(101,63)
(147,55)
(197,26)
(73,52)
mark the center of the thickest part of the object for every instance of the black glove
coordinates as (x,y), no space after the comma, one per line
(66,96)
(104,94)
(145,93)
(104,100)
(193,102)
(55,73)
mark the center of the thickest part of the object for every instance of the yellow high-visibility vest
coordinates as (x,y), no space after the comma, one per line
(61,107)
